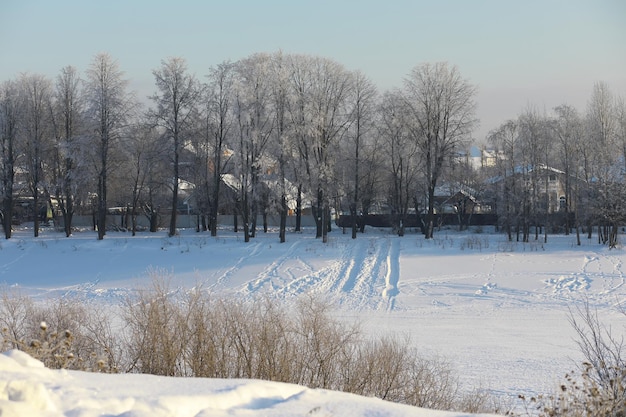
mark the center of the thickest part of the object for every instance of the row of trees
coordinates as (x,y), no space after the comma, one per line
(587,152)
(285,127)
(286,132)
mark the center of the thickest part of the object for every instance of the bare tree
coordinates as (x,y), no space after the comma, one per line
(255,123)
(620,112)
(321,88)
(402,158)
(67,114)
(282,145)
(533,169)
(567,128)
(505,141)
(602,132)
(442,109)
(219,121)
(36,95)
(362,117)
(9,121)
(108,105)
(176,101)
(143,168)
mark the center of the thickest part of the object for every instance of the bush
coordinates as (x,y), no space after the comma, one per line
(598,387)
(194,334)
(61,333)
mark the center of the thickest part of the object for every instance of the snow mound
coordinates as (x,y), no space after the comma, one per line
(19,358)
(21,392)
(27,388)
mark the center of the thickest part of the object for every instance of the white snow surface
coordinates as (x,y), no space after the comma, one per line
(497,311)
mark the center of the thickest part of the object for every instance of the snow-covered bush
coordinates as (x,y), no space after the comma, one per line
(598,388)
(165,331)
(62,333)
(195,334)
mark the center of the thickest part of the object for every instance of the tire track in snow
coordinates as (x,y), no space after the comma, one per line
(392,276)
(225,276)
(348,268)
(271,271)
(358,277)
(371,278)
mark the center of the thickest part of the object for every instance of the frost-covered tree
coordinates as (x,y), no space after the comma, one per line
(36,96)
(9,122)
(320,115)
(505,141)
(358,137)
(176,101)
(280,144)
(218,123)
(441,107)
(402,160)
(146,172)
(108,109)
(602,130)
(567,132)
(68,115)
(534,170)
(255,122)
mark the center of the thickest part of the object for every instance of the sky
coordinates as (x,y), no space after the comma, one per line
(520,54)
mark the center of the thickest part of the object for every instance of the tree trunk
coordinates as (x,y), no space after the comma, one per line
(253,218)
(324,222)
(7,214)
(102,211)
(283,218)
(172,231)
(353,218)
(364,217)
(154,221)
(430,215)
(319,214)
(299,209)
(245,218)
(36,213)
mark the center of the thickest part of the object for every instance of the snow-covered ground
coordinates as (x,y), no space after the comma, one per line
(497,311)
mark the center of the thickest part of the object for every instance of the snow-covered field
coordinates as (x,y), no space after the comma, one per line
(498,311)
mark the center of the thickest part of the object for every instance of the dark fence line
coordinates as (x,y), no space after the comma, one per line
(554,221)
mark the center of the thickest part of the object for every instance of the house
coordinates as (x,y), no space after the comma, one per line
(544,183)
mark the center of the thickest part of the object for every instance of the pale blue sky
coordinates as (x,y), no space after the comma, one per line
(538,53)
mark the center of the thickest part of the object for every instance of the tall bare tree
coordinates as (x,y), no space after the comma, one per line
(9,122)
(602,132)
(67,115)
(177,103)
(533,144)
(505,141)
(402,163)
(142,170)
(36,96)
(320,111)
(362,121)
(256,123)
(442,110)
(281,134)
(109,106)
(567,129)
(219,122)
